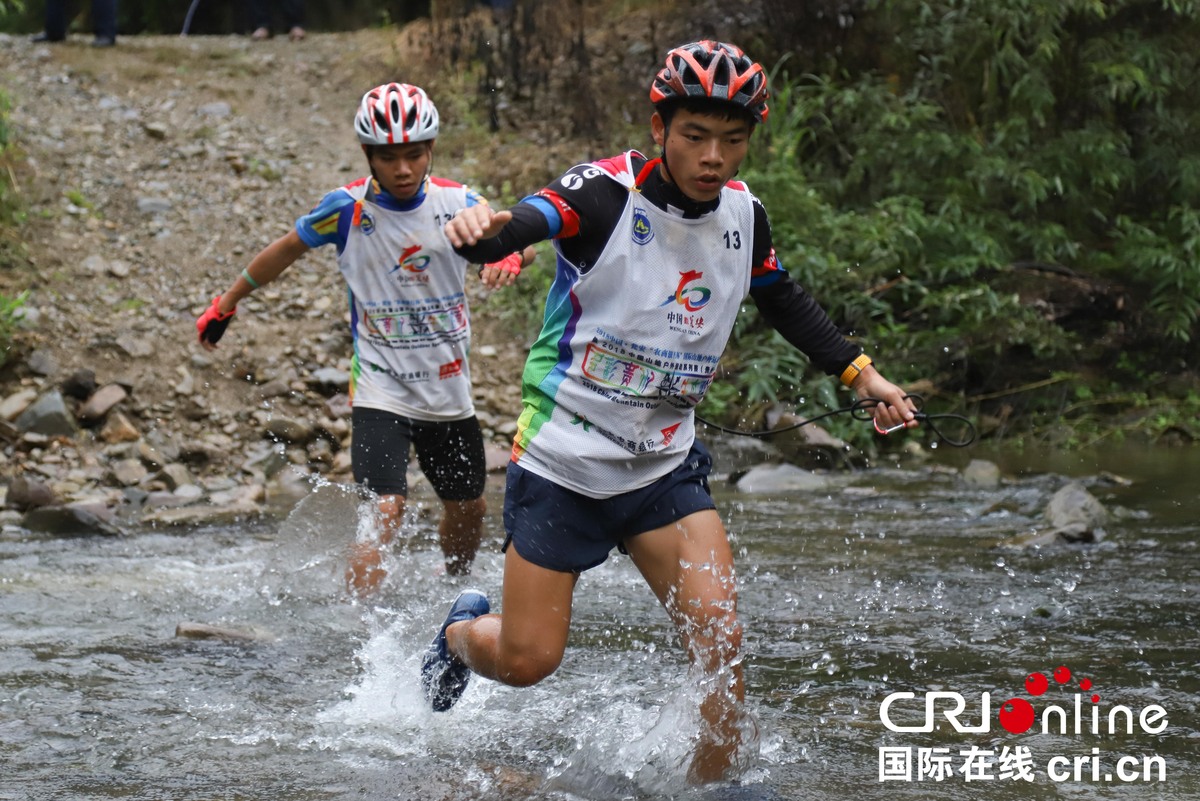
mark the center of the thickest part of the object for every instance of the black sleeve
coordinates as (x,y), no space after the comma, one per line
(528,225)
(593,202)
(800,319)
(794,313)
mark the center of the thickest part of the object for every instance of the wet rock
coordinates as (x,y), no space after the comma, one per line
(26,493)
(329,379)
(275,388)
(136,346)
(12,406)
(204,514)
(497,457)
(240,495)
(119,428)
(186,384)
(71,521)
(1076,514)
(338,406)
(1073,515)
(288,487)
(48,415)
(175,476)
(101,401)
(284,429)
(808,446)
(128,472)
(203,631)
(320,452)
(195,408)
(780,478)
(42,363)
(982,473)
(187,494)
(152,457)
(733,455)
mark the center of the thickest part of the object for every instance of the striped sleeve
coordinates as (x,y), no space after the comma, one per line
(329,222)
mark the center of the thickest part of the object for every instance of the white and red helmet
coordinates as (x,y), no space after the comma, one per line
(396,113)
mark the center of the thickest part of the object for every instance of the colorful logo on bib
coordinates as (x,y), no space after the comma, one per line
(412,261)
(691,297)
(642,232)
(366,223)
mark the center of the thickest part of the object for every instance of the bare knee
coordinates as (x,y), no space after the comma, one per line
(527,669)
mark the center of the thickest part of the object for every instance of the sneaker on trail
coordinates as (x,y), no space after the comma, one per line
(443,676)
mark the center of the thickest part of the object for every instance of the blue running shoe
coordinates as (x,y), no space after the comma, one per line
(443,676)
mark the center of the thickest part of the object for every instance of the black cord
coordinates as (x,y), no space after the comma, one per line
(864,409)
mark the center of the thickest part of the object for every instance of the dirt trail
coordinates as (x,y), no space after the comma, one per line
(153,171)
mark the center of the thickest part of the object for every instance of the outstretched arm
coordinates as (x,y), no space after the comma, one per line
(482,235)
(263,268)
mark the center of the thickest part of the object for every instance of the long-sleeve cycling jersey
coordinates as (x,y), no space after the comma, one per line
(647,286)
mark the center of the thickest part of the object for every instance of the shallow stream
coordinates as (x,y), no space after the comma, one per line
(888,581)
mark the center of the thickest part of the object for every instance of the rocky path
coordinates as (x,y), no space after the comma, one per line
(153,171)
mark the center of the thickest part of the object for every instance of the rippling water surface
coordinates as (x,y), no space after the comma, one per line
(890,580)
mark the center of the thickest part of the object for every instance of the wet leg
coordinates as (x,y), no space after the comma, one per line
(525,643)
(689,566)
(365,572)
(460,532)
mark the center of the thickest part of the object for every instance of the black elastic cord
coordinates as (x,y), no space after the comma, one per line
(863,409)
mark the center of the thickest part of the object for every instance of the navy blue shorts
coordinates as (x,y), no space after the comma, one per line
(559,529)
(450,454)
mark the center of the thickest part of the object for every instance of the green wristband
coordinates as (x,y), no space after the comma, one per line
(249,280)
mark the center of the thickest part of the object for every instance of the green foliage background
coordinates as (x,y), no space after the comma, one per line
(997,198)
(993,141)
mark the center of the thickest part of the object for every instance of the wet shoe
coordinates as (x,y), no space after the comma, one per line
(39,38)
(443,676)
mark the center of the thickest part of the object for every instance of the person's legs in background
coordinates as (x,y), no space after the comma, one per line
(293,16)
(260,19)
(55,22)
(104,22)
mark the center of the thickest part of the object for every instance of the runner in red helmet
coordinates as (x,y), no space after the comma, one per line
(653,268)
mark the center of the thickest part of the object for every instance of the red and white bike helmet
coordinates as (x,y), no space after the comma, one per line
(712,69)
(396,113)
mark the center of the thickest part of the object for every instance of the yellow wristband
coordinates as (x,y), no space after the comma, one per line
(856,367)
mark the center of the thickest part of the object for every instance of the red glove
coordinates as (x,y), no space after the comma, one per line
(212,324)
(509,264)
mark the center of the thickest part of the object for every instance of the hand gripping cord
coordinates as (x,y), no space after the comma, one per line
(864,409)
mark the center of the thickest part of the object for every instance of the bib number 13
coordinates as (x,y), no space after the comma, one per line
(733,240)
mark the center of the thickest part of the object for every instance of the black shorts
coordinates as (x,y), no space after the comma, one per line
(450,454)
(559,529)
